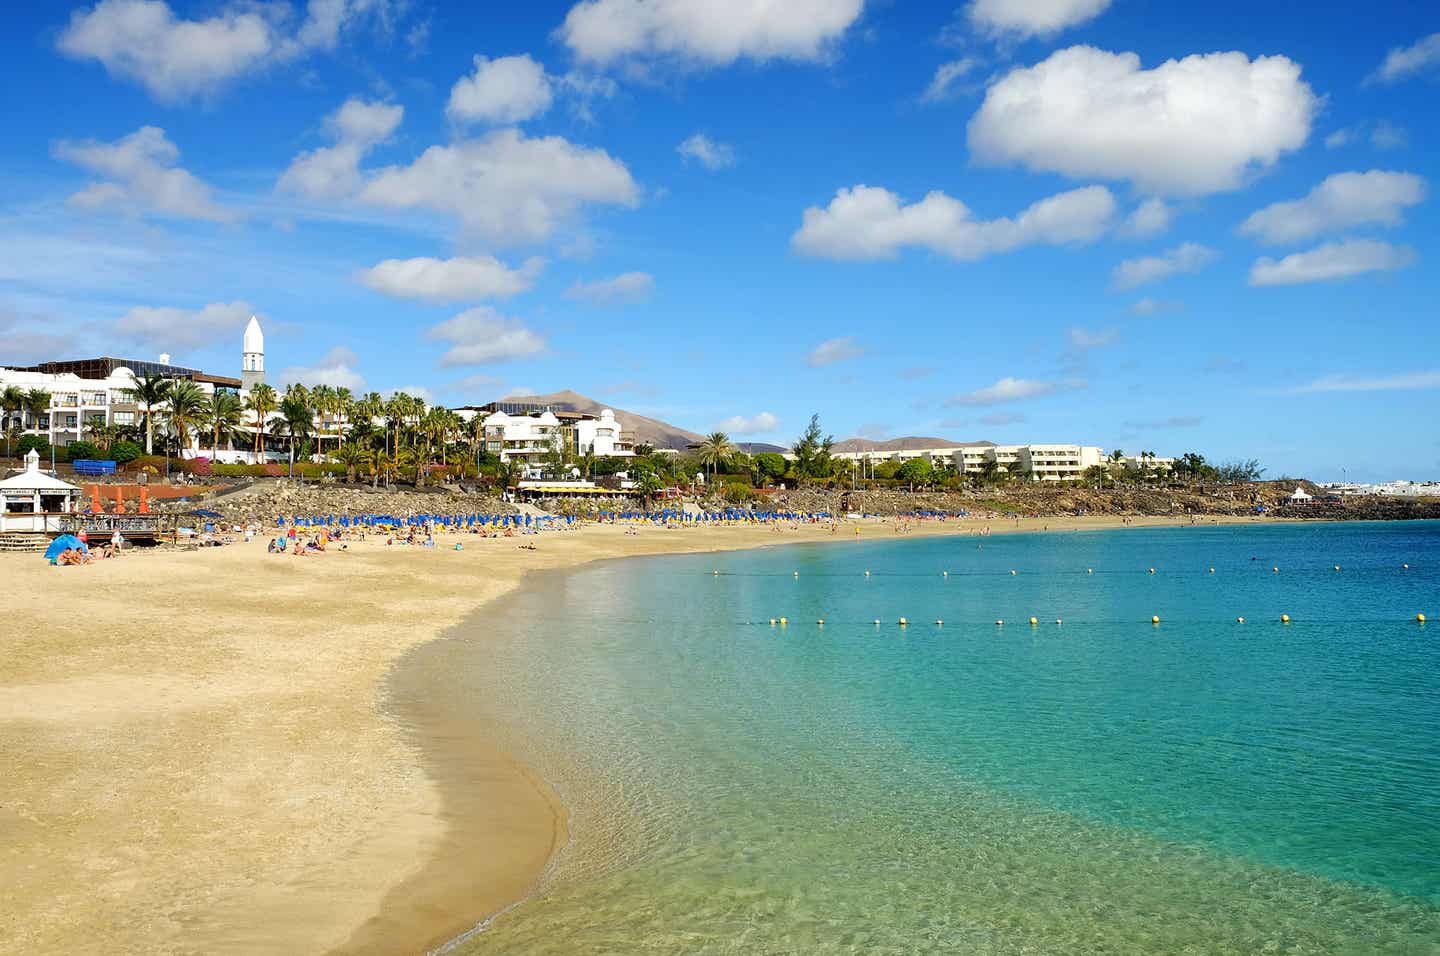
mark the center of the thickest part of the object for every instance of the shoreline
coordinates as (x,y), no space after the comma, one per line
(205,757)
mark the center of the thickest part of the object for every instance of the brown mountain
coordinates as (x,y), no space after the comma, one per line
(638,428)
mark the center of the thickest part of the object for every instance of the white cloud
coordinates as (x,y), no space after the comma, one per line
(148,179)
(164,328)
(1386,135)
(946,74)
(1186,257)
(1403,62)
(707,152)
(868,222)
(760,424)
(1342,201)
(509,89)
(624,289)
(506,187)
(333,172)
(1341,137)
(834,350)
(336,367)
(1333,260)
(1085,339)
(706,32)
(175,58)
(1149,306)
(1188,127)
(450,280)
(1150,218)
(1385,383)
(1008,390)
(481,335)
(1032,18)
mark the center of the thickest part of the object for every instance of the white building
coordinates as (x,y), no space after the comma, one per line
(33,501)
(532,436)
(1044,462)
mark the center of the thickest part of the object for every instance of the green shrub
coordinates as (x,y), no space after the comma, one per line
(125,451)
(82,451)
(738,494)
(36,443)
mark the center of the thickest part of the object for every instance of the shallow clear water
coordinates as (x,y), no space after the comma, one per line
(1102,785)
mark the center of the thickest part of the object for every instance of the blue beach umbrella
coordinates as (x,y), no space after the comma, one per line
(64,543)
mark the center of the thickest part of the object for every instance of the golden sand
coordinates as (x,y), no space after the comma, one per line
(197,757)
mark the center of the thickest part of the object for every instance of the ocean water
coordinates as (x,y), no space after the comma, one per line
(1102,785)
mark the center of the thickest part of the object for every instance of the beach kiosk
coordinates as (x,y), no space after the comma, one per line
(1300,497)
(34,502)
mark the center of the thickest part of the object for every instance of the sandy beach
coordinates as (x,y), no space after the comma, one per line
(199,759)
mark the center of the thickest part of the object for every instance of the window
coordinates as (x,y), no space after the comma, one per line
(124,418)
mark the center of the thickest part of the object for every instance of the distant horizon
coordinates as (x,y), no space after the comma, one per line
(1199,227)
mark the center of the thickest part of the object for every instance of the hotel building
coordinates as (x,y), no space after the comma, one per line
(526,432)
(1045,462)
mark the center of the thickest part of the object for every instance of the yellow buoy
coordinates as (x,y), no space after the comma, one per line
(1034,621)
(903,622)
(1284,619)
(999,623)
(1155,619)
(821,622)
(1419,619)
(783,622)
(1239,620)
(772,622)
(940,623)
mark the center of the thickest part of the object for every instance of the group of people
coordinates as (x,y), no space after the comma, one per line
(302,546)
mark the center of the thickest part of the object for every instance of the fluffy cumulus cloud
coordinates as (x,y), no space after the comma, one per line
(627,288)
(333,172)
(337,367)
(834,350)
(1186,257)
(707,152)
(1342,201)
(1189,127)
(164,328)
(1407,61)
(760,424)
(1032,18)
(1150,218)
(481,335)
(1006,390)
(142,176)
(509,89)
(947,75)
(706,32)
(1333,260)
(506,187)
(868,222)
(462,279)
(176,58)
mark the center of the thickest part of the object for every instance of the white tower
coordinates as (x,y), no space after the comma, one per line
(252,371)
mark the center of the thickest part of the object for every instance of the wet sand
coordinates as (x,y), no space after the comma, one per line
(200,755)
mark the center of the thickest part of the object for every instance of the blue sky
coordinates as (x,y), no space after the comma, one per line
(1015,220)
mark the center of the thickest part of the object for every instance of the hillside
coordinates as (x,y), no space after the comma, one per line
(638,428)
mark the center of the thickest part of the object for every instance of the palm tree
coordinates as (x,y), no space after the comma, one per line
(150,391)
(37,403)
(261,403)
(352,456)
(715,449)
(296,421)
(185,409)
(322,400)
(12,400)
(223,415)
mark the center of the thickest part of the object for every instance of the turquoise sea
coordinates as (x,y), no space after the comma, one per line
(1103,785)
